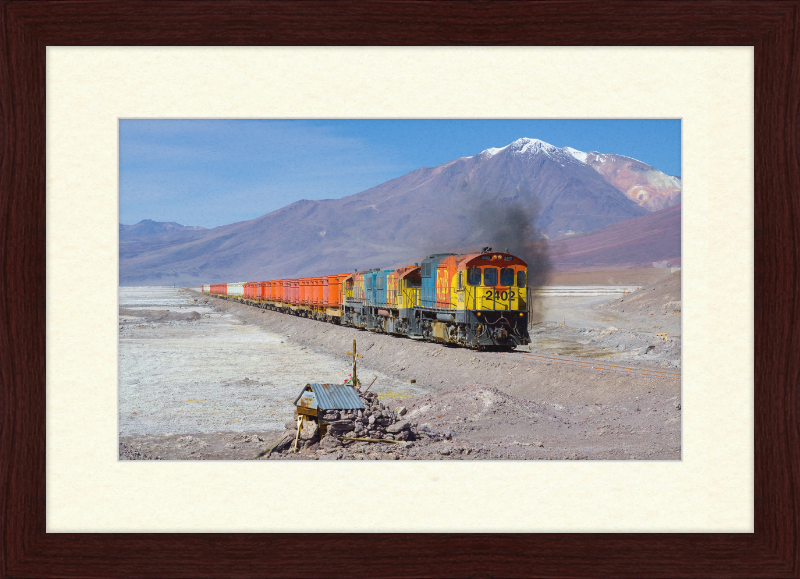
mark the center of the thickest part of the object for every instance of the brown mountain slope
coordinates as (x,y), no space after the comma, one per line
(645,185)
(466,203)
(637,242)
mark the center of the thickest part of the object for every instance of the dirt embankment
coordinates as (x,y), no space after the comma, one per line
(432,365)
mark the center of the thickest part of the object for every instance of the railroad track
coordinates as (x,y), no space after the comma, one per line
(596,366)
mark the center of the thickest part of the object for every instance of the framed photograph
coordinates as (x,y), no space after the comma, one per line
(51,530)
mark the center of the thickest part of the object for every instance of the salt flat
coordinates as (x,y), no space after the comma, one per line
(218,373)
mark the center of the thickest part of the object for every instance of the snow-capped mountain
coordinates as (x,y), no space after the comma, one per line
(522,146)
(644,185)
(508,197)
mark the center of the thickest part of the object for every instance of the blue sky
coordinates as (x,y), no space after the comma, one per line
(215,172)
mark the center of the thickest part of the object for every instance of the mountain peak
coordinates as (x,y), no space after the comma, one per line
(523,141)
(522,146)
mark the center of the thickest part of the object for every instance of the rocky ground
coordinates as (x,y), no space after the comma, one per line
(636,349)
(578,393)
(656,307)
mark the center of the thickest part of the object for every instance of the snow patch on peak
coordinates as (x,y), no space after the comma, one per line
(493,151)
(579,155)
(603,158)
(521,146)
(598,158)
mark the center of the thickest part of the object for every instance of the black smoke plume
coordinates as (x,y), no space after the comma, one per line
(511,226)
(500,224)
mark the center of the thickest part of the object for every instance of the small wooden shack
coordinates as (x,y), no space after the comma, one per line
(316,399)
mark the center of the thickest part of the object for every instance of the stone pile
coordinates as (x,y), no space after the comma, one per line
(377,422)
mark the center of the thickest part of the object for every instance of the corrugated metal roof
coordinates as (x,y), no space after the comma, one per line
(333,397)
(306,399)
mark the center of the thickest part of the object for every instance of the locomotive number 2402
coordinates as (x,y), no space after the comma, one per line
(499,295)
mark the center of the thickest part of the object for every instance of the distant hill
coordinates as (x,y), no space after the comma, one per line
(639,242)
(148,228)
(504,197)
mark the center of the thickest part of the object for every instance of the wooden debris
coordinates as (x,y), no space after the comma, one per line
(271,447)
(299,428)
(370,384)
(370,439)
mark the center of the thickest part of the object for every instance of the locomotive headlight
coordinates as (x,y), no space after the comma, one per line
(520,313)
(477,313)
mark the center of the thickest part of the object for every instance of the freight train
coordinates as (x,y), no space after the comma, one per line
(478,300)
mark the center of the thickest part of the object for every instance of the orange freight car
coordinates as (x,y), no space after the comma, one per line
(334,298)
(275,290)
(287,291)
(325,290)
(304,283)
(316,292)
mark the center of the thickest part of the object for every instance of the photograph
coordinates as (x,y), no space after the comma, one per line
(399,289)
(239,235)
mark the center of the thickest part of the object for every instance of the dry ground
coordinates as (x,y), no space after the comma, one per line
(529,404)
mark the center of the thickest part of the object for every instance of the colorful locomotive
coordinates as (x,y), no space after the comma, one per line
(478,300)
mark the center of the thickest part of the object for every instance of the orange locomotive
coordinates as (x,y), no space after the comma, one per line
(476,300)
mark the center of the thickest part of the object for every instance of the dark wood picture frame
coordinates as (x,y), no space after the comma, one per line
(772,27)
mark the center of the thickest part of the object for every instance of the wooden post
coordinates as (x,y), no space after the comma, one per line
(355,355)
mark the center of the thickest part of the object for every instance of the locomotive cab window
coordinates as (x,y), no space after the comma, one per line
(379,283)
(474,276)
(507,277)
(490,276)
(460,280)
(521,279)
(368,283)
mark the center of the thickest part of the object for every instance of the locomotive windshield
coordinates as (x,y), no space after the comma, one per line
(507,277)
(490,276)
(474,276)
(521,279)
